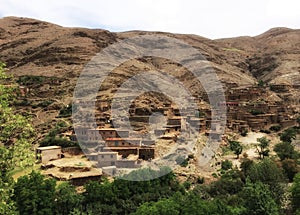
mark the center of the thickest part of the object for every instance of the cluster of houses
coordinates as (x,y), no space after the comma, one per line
(111,148)
(247,110)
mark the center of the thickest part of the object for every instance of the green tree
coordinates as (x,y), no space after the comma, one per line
(66,199)
(263,147)
(285,150)
(16,137)
(236,147)
(295,190)
(258,199)
(270,174)
(226,165)
(288,135)
(290,168)
(35,195)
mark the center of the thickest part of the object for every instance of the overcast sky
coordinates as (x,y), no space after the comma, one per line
(209,18)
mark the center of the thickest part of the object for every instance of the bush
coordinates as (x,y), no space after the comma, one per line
(275,128)
(244,132)
(30,80)
(180,160)
(200,180)
(66,111)
(266,131)
(57,141)
(256,112)
(226,165)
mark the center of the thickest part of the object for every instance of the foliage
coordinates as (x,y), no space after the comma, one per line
(30,80)
(295,191)
(226,165)
(66,111)
(236,147)
(230,183)
(290,168)
(261,83)
(246,166)
(285,150)
(180,160)
(258,199)
(244,132)
(57,141)
(263,147)
(34,195)
(256,112)
(288,135)
(270,174)
(16,137)
(66,199)
(52,139)
(275,128)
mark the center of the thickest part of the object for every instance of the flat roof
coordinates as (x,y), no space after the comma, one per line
(107,129)
(119,138)
(48,147)
(105,153)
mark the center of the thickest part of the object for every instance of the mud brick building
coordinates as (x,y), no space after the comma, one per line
(48,153)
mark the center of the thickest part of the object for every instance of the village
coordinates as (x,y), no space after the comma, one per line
(109,151)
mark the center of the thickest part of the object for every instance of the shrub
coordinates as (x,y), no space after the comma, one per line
(180,160)
(244,132)
(30,80)
(226,165)
(275,128)
(256,112)
(66,111)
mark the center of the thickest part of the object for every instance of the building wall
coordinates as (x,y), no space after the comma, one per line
(51,154)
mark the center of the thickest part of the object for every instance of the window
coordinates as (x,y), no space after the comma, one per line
(113,163)
(102,156)
(111,156)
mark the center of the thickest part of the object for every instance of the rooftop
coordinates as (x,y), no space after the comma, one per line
(48,148)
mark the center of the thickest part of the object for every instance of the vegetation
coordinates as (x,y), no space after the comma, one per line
(236,147)
(256,112)
(258,188)
(226,165)
(275,128)
(263,147)
(288,135)
(16,137)
(66,111)
(30,80)
(53,139)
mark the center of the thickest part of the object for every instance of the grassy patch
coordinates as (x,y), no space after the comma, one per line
(18,172)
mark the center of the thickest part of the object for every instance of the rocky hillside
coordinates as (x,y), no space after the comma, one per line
(47,59)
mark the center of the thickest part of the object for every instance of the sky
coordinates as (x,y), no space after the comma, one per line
(210,18)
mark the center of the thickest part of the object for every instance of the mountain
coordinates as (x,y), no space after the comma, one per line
(48,59)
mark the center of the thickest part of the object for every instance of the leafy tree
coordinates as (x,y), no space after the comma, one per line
(34,195)
(16,137)
(66,199)
(270,174)
(246,165)
(261,83)
(285,150)
(288,135)
(298,120)
(226,165)
(258,199)
(290,168)
(236,147)
(275,128)
(263,147)
(230,183)
(295,190)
